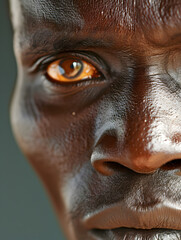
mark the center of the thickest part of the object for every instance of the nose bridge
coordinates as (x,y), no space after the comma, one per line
(140,117)
(137,144)
(136,150)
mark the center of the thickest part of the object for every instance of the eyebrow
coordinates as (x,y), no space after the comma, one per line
(173,40)
(42,46)
(40,42)
(45,43)
(68,44)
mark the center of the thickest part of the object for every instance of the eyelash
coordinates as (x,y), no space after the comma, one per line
(90,57)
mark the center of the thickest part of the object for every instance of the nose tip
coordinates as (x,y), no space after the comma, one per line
(110,157)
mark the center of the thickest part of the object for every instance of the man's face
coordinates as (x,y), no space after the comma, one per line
(97,111)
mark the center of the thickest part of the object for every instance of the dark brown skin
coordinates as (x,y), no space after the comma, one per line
(107,150)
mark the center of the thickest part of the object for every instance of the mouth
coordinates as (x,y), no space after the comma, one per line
(120,222)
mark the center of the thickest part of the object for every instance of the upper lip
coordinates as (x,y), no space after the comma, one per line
(163,215)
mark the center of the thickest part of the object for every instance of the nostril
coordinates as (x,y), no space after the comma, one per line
(172,165)
(108,168)
(114,166)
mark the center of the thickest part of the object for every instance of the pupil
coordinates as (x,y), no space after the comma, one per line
(70,68)
(75,66)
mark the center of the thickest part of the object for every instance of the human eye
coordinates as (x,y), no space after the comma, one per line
(72,69)
(70,78)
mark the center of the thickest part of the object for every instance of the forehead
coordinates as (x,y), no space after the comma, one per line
(117,19)
(102,13)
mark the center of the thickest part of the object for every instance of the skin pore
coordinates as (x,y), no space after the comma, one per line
(96,110)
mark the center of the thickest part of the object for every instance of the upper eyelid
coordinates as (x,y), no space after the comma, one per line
(36,65)
(43,62)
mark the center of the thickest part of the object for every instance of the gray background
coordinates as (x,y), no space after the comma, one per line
(25,210)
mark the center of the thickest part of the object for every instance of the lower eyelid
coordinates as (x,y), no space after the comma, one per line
(55,91)
(79,83)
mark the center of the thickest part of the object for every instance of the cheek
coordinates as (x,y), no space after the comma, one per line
(56,145)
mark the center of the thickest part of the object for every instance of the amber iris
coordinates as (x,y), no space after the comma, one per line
(71,70)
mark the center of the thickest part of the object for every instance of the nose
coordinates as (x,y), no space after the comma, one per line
(147,144)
